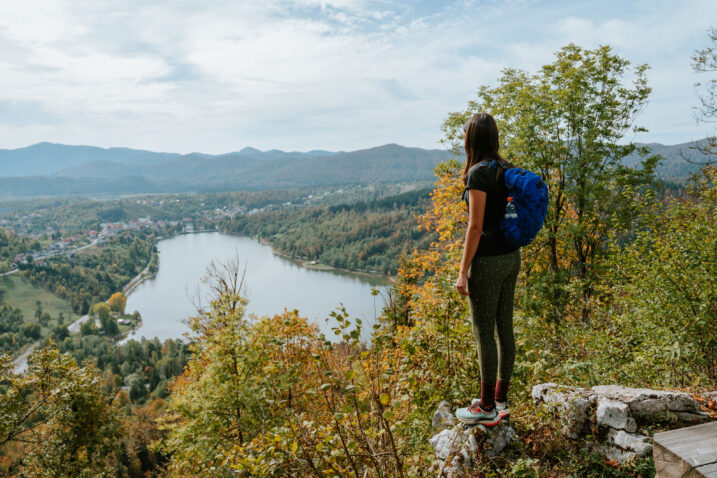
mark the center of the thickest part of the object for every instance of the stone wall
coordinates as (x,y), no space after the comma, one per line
(612,413)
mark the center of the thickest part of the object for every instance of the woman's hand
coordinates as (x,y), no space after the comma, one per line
(462,284)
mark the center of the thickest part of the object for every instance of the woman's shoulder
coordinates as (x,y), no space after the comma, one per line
(480,175)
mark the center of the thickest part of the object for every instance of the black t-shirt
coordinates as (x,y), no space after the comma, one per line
(482,176)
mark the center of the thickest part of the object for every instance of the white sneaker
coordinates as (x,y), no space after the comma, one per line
(500,407)
(475,415)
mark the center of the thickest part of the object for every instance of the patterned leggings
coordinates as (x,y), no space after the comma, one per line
(491,286)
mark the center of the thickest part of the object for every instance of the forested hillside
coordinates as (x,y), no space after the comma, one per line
(145,172)
(59,170)
(365,236)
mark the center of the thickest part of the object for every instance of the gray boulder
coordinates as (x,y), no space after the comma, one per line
(443,417)
(458,447)
(573,404)
(615,414)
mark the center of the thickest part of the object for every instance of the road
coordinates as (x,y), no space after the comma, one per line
(21,360)
(74,328)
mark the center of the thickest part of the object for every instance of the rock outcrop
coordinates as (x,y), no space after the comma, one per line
(458,446)
(613,412)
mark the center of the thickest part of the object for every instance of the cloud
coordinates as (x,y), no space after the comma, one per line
(331,74)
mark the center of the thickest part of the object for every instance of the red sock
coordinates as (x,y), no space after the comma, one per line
(501,391)
(487,395)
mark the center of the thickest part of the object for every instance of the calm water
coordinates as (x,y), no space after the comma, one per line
(272,283)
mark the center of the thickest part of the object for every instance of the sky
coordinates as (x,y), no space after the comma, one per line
(216,76)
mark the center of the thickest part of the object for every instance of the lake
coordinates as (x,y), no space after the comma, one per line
(272,283)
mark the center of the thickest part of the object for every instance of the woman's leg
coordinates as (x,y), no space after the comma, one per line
(504,324)
(484,282)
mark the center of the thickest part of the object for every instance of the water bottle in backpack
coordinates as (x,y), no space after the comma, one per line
(511,212)
(526,209)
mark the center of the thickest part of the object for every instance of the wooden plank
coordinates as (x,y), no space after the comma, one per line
(690,451)
(699,436)
(693,433)
(687,450)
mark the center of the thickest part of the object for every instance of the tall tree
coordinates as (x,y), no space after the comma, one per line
(117,302)
(568,122)
(704,61)
(102,310)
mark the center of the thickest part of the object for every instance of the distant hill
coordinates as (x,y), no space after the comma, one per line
(675,166)
(45,159)
(54,169)
(57,169)
(48,158)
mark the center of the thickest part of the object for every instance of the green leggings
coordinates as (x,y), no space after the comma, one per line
(491,286)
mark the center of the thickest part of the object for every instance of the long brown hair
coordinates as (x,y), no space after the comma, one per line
(482,143)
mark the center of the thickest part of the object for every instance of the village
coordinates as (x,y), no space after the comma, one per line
(53,240)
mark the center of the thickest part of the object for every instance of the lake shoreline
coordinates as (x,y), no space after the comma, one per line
(308,263)
(315,289)
(324,267)
(141,277)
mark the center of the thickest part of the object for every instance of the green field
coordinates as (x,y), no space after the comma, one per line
(18,292)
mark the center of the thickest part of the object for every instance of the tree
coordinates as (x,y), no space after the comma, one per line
(32,331)
(669,284)
(117,302)
(88,327)
(60,332)
(568,122)
(102,311)
(44,319)
(58,412)
(705,61)
(273,397)
(110,326)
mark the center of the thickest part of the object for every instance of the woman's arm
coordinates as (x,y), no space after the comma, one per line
(476,213)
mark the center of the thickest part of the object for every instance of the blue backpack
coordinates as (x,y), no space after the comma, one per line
(527,206)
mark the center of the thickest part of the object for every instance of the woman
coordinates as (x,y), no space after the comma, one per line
(489,270)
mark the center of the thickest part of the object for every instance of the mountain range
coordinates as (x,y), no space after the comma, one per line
(57,169)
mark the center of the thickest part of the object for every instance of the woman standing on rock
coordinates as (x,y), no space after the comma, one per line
(489,270)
